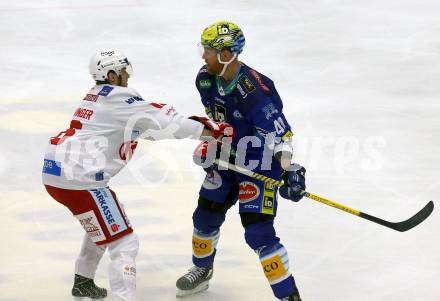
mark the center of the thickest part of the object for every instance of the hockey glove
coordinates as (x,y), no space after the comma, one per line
(218,129)
(204,155)
(294,182)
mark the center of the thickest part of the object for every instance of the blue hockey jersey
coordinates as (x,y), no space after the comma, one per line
(251,104)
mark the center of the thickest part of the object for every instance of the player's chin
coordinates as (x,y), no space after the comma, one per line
(212,70)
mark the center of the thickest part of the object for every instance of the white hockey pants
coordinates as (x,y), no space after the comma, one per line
(122,270)
(88,258)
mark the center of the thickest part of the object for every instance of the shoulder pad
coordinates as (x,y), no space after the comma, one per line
(157,105)
(259,79)
(124,94)
(105,90)
(204,80)
(204,69)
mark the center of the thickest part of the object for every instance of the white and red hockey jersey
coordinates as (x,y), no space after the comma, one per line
(103,135)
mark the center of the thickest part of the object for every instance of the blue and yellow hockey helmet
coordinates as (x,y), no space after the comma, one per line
(223,34)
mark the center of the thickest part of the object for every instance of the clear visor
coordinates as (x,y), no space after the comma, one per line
(124,64)
(202,48)
(129,69)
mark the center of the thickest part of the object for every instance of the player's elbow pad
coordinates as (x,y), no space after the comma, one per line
(188,128)
(283,147)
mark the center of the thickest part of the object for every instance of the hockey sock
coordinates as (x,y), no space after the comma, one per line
(275,263)
(204,246)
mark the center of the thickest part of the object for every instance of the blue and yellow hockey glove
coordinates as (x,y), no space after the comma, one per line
(294,182)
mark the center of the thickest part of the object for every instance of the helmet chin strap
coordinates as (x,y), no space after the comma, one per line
(225,64)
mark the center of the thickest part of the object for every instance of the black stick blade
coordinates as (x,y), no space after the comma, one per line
(407,224)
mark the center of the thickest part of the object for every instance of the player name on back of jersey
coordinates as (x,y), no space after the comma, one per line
(84,113)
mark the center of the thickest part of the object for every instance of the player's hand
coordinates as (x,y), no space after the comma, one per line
(204,155)
(217,129)
(294,182)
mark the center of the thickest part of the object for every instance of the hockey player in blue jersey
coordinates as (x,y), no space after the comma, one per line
(235,93)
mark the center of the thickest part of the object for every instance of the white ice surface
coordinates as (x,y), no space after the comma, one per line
(360,82)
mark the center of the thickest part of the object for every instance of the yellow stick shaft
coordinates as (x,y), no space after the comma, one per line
(280,183)
(331,203)
(403,226)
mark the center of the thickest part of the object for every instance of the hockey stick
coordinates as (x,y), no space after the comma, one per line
(399,226)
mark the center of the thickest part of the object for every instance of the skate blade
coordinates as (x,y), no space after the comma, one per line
(87,299)
(183,293)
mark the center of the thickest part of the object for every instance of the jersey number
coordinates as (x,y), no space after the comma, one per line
(279,125)
(58,139)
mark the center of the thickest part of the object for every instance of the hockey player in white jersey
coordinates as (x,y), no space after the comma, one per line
(79,162)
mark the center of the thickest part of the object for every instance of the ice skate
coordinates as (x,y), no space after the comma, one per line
(86,287)
(293,297)
(195,281)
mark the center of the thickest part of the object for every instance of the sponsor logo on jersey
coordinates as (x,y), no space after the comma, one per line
(105,91)
(84,113)
(260,82)
(205,83)
(91,97)
(221,91)
(218,99)
(237,115)
(247,84)
(133,99)
(99,176)
(213,180)
(126,150)
(157,105)
(170,111)
(208,112)
(109,210)
(52,167)
(90,223)
(240,89)
(220,113)
(248,192)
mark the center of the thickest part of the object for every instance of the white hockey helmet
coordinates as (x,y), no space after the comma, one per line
(108,60)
